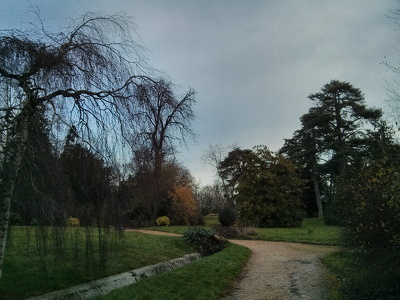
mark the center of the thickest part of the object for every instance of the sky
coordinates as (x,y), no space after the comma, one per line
(252,63)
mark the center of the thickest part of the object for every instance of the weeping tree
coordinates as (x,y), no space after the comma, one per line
(39,176)
(83,76)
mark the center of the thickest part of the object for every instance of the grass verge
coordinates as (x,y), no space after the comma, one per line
(26,275)
(211,221)
(312,231)
(208,278)
(356,275)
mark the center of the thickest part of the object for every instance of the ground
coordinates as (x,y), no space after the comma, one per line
(280,271)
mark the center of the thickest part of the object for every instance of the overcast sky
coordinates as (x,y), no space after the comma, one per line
(252,63)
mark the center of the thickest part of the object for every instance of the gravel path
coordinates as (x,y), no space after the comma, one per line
(281,271)
(278,271)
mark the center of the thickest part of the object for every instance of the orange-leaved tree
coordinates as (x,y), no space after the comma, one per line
(185,209)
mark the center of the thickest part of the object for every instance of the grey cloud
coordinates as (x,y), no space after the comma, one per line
(252,63)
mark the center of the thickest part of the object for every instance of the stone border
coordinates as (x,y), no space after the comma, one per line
(105,285)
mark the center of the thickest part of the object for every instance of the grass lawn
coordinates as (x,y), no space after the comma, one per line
(312,231)
(208,278)
(23,275)
(211,220)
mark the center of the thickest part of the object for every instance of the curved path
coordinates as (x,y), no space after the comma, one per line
(279,271)
(154,232)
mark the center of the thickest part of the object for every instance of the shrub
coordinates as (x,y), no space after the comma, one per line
(367,204)
(229,232)
(73,222)
(197,219)
(205,239)
(371,221)
(163,221)
(233,232)
(227,216)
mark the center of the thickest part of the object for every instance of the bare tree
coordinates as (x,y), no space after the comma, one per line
(162,121)
(215,155)
(83,76)
(211,197)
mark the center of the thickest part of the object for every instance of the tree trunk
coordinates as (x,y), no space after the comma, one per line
(5,216)
(13,162)
(316,190)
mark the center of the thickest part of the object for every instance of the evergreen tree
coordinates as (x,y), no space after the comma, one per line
(90,183)
(332,136)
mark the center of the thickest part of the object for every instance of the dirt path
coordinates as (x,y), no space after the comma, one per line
(281,271)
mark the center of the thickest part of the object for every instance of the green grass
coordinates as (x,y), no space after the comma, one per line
(211,220)
(23,277)
(312,231)
(208,278)
(338,268)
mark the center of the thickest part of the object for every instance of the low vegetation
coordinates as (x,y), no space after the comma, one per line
(351,274)
(25,274)
(356,275)
(311,231)
(205,239)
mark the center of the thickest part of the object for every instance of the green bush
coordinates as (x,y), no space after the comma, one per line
(227,216)
(269,191)
(163,221)
(372,221)
(205,239)
(367,201)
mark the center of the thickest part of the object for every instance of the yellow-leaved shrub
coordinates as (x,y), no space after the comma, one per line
(73,222)
(163,221)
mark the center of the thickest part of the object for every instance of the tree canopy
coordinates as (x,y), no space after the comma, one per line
(266,187)
(332,134)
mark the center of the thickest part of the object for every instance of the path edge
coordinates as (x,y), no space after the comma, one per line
(105,285)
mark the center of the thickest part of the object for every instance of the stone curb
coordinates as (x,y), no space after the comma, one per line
(105,285)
